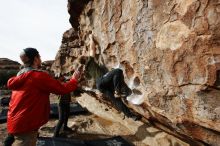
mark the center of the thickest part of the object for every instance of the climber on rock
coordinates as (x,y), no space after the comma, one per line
(29,106)
(109,83)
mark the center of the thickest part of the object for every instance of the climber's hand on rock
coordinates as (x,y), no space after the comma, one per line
(76,75)
(78,72)
(80,69)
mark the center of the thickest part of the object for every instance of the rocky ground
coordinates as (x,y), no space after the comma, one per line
(90,126)
(3,131)
(107,122)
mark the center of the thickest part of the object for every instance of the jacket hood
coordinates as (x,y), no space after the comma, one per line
(17,81)
(24,70)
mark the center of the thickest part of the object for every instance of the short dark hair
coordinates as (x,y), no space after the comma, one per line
(27,56)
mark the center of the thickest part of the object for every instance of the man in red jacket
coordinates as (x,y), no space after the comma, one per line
(29,106)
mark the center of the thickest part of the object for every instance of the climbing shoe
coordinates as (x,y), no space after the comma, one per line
(135,117)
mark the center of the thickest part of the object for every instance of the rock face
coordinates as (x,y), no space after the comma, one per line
(7,64)
(144,133)
(8,68)
(46,66)
(169,51)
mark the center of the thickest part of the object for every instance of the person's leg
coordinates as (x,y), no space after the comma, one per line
(103,84)
(118,103)
(119,84)
(61,108)
(125,90)
(67,113)
(26,139)
(107,81)
(118,79)
(115,81)
(9,140)
(121,106)
(108,77)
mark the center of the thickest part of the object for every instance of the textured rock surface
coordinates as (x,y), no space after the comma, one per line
(169,51)
(7,64)
(144,133)
(46,65)
(8,68)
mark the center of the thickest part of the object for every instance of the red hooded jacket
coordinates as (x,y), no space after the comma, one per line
(29,106)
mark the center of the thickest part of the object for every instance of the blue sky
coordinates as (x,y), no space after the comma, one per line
(32,23)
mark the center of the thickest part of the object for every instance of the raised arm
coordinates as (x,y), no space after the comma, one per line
(51,85)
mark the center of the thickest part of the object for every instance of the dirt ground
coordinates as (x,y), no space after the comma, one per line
(85,127)
(90,126)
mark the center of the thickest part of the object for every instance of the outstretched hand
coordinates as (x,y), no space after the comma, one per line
(76,75)
(78,72)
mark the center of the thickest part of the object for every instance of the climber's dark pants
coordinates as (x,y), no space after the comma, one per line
(113,80)
(110,82)
(9,140)
(64,111)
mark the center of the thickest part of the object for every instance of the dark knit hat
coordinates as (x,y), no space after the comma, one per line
(31,52)
(27,55)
